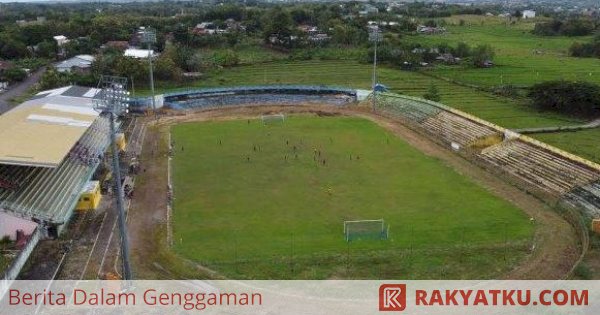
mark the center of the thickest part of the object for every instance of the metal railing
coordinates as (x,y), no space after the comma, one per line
(17,264)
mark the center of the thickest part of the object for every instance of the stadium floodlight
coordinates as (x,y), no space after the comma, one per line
(149,38)
(365,230)
(375,37)
(113,99)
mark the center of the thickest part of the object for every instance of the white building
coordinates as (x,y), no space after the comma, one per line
(139,53)
(528,14)
(61,40)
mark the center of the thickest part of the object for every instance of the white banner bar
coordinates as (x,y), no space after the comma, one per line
(302,297)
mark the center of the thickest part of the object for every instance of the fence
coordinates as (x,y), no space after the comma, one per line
(15,268)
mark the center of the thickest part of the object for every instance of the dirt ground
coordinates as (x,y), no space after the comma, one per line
(556,246)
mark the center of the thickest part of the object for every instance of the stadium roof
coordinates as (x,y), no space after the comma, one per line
(50,194)
(41,131)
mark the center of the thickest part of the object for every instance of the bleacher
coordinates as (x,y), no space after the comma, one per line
(406,108)
(90,149)
(50,193)
(213,101)
(434,119)
(587,198)
(538,167)
(259,95)
(453,128)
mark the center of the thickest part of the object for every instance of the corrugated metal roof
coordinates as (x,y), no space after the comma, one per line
(41,131)
(50,194)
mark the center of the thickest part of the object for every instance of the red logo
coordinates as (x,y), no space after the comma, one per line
(392,297)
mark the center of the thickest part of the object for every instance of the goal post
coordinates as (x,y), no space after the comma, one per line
(272,118)
(366,230)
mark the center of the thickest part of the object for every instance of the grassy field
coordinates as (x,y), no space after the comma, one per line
(522,58)
(4,263)
(247,206)
(584,143)
(500,110)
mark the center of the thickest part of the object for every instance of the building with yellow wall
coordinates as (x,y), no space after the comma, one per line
(121,141)
(90,197)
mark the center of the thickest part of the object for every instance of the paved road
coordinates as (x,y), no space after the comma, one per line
(19,89)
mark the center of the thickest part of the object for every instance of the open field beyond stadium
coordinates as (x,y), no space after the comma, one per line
(247,207)
(503,111)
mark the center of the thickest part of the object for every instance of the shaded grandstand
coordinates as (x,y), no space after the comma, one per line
(259,95)
(51,147)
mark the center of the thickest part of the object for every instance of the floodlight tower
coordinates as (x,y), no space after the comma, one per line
(113,99)
(375,37)
(149,38)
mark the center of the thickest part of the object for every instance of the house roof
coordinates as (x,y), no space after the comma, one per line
(5,65)
(81,61)
(41,131)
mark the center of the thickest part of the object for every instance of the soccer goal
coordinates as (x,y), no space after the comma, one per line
(272,119)
(366,230)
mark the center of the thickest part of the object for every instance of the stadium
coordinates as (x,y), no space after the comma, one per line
(51,146)
(299,182)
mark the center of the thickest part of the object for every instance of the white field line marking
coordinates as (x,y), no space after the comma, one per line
(170,185)
(87,263)
(112,231)
(37,309)
(115,267)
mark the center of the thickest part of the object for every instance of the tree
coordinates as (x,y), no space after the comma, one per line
(14,74)
(12,49)
(432,93)
(518,14)
(577,27)
(591,49)
(345,34)
(47,49)
(52,79)
(573,98)
(80,46)
(131,68)
(462,50)
(278,23)
(483,54)
(166,69)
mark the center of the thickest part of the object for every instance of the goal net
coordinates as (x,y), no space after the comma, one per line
(366,230)
(272,119)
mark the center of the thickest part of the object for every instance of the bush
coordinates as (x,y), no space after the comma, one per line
(573,98)
(432,94)
(303,54)
(586,49)
(582,271)
(572,27)
(482,54)
(226,58)
(14,75)
(595,241)
(507,91)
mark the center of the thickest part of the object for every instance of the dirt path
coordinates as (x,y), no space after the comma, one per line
(556,243)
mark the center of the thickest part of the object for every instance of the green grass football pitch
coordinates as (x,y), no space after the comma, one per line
(256,201)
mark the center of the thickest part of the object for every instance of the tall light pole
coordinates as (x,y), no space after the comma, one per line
(113,99)
(375,37)
(149,38)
